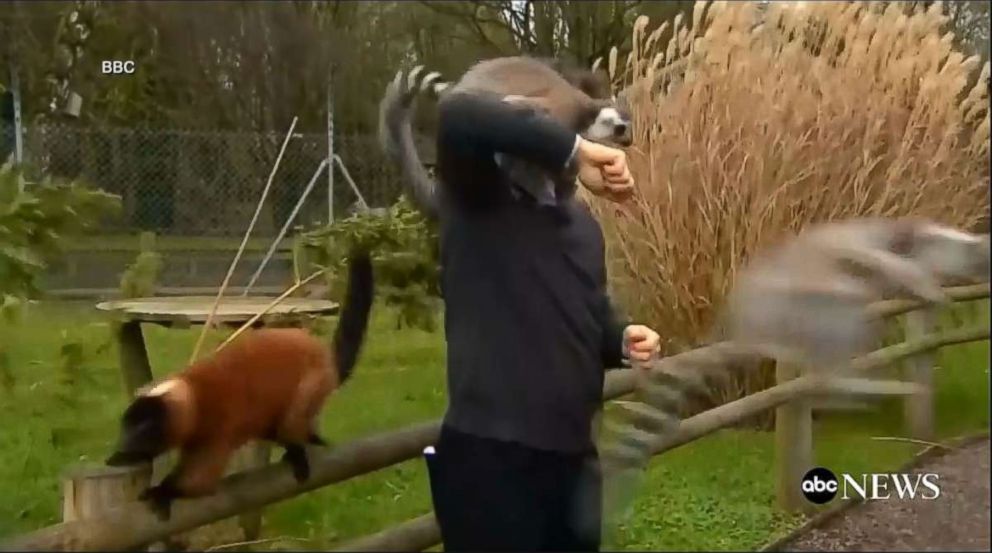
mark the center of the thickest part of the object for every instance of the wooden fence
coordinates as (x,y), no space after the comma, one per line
(106,525)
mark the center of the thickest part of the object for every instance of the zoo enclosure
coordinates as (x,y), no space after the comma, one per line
(204,183)
(196,190)
(117,525)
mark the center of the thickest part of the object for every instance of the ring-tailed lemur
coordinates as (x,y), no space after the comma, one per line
(580,99)
(804,301)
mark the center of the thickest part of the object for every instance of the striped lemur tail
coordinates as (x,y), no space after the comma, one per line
(396,134)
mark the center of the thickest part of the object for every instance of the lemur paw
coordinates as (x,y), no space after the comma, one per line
(315,439)
(159,499)
(296,458)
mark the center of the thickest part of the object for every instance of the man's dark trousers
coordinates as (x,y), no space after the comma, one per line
(491,495)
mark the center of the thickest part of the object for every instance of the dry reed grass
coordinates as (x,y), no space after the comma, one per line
(752,125)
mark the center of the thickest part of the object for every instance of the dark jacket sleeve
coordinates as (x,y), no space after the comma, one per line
(613,326)
(479,126)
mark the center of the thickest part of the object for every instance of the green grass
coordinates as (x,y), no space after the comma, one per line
(398,381)
(713,494)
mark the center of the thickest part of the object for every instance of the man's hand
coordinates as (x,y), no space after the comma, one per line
(603,170)
(640,343)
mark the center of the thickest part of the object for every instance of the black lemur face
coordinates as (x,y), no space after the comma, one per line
(143,432)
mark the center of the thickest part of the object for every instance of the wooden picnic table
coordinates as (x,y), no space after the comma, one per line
(186,311)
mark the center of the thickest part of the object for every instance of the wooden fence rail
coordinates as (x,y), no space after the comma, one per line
(124,526)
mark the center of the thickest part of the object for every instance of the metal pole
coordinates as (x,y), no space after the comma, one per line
(351,181)
(285,227)
(330,146)
(18,137)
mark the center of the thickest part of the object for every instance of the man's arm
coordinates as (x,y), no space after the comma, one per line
(474,127)
(479,126)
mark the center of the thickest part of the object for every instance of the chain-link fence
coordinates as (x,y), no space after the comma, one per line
(195,183)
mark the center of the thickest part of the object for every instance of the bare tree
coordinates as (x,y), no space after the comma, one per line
(224,65)
(969,20)
(578,30)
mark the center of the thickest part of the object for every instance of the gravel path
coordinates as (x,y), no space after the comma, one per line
(957,521)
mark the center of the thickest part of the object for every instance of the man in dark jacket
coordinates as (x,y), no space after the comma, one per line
(530,330)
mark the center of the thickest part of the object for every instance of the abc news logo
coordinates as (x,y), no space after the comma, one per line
(820,485)
(117,67)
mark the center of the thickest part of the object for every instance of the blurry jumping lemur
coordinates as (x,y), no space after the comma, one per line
(806,299)
(578,98)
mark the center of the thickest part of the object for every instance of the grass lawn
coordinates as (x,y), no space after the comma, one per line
(714,494)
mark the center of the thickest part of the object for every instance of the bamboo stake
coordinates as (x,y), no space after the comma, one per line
(285,226)
(244,242)
(269,307)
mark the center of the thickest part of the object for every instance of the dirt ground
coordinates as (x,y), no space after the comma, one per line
(957,521)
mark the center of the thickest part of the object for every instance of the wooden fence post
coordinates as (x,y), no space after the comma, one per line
(298,257)
(88,491)
(793,444)
(918,408)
